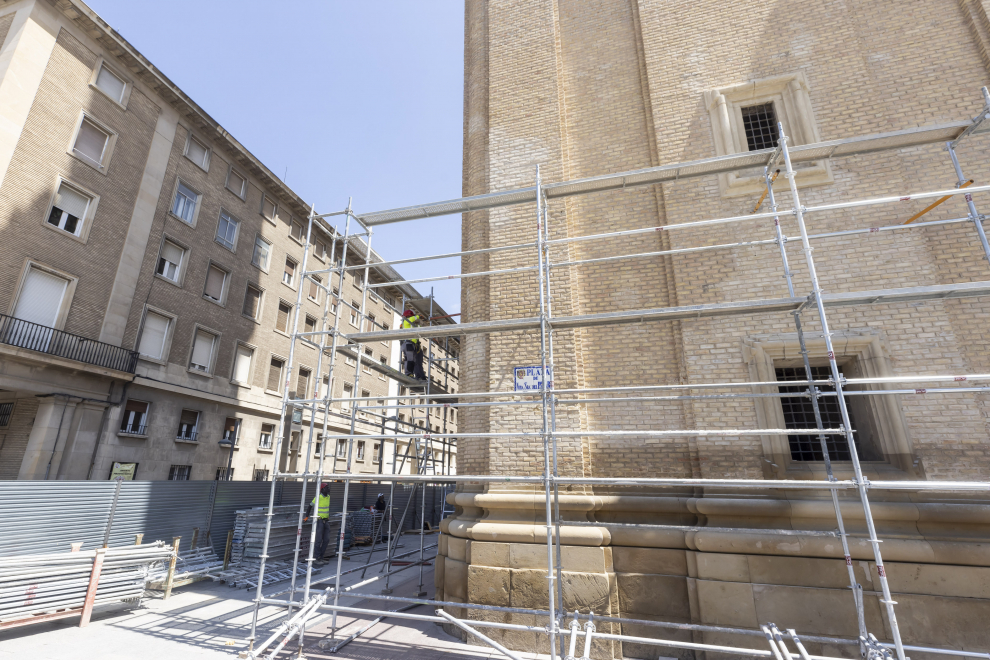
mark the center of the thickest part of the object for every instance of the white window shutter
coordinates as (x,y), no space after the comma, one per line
(41,297)
(214,283)
(111,84)
(172,253)
(91,141)
(202,350)
(71,202)
(242,364)
(153,336)
(197,153)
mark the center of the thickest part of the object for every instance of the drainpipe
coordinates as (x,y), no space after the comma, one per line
(103,424)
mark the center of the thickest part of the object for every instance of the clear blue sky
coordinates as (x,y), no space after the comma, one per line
(359,99)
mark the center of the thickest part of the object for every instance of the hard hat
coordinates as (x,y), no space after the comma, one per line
(381,494)
(407,313)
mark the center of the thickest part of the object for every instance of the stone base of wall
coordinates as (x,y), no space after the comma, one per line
(775,578)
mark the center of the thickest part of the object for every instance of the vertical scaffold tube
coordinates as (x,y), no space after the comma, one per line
(977,218)
(857,592)
(275,470)
(545,254)
(547,476)
(327,395)
(302,395)
(350,443)
(837,377)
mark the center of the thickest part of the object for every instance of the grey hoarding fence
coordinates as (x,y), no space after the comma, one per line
(46,516)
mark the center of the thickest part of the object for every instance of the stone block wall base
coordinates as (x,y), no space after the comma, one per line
(938,604)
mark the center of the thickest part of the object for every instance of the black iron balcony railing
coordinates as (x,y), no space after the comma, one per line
(134,429)
(24,334)
(188,436)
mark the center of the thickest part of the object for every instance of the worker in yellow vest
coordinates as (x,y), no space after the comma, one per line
(412,351)
(322,520)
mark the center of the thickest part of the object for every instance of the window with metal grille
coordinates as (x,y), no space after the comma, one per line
(799,414)
(760,123)
(179,472)
(260,475)
(224,474)
(6,410)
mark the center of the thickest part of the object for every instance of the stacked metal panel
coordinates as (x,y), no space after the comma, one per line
(44,584)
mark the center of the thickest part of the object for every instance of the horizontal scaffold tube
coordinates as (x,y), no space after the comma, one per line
(688,433)
(922,378)
(785,484)
(688,312)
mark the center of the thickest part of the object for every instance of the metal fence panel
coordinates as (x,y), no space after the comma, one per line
(46,516)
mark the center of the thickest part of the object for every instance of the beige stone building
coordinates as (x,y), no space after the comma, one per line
(149,267)
(591,88)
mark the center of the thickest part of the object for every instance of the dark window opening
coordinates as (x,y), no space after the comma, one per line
(760,123)
(6,409)
(799,414)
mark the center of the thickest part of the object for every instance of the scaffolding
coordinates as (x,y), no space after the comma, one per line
(303,604)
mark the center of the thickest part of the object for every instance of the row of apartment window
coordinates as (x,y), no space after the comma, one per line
(182,472)
(341,449)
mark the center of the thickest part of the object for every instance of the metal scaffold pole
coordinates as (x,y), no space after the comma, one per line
(844,411)
(857,589)
(545,433)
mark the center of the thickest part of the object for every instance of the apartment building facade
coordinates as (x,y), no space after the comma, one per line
(592,88)
(149,273)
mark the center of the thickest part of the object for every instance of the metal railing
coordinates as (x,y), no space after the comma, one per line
(133,429)
(24,334)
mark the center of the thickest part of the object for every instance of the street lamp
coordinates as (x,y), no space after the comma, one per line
(228,443)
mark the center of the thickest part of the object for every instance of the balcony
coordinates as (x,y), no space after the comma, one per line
(34,337)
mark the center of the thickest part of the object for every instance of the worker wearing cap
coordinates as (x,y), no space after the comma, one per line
(411,350)
(322,520)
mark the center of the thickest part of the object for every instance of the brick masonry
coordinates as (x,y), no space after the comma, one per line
(588,88)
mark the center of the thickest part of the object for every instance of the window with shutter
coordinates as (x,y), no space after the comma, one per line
(153,336)
(41,297)
(236,183)
(91,142)
(265,440)
(269,209)
(184,206)
(275,375)
(242,364)
(319,249)
(310,326)
(360,450)
(169,261)
(289,274)
(215,279)
(314,289)
(198,153)
(252,302)
(282,319)
(135,417)
(262,253)
(69,210)
(188,425)
(348,393)
(202,354)
(302,384)
(296,230)
(111,84)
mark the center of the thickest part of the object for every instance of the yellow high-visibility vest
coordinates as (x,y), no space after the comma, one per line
(407,324)
(323,510)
